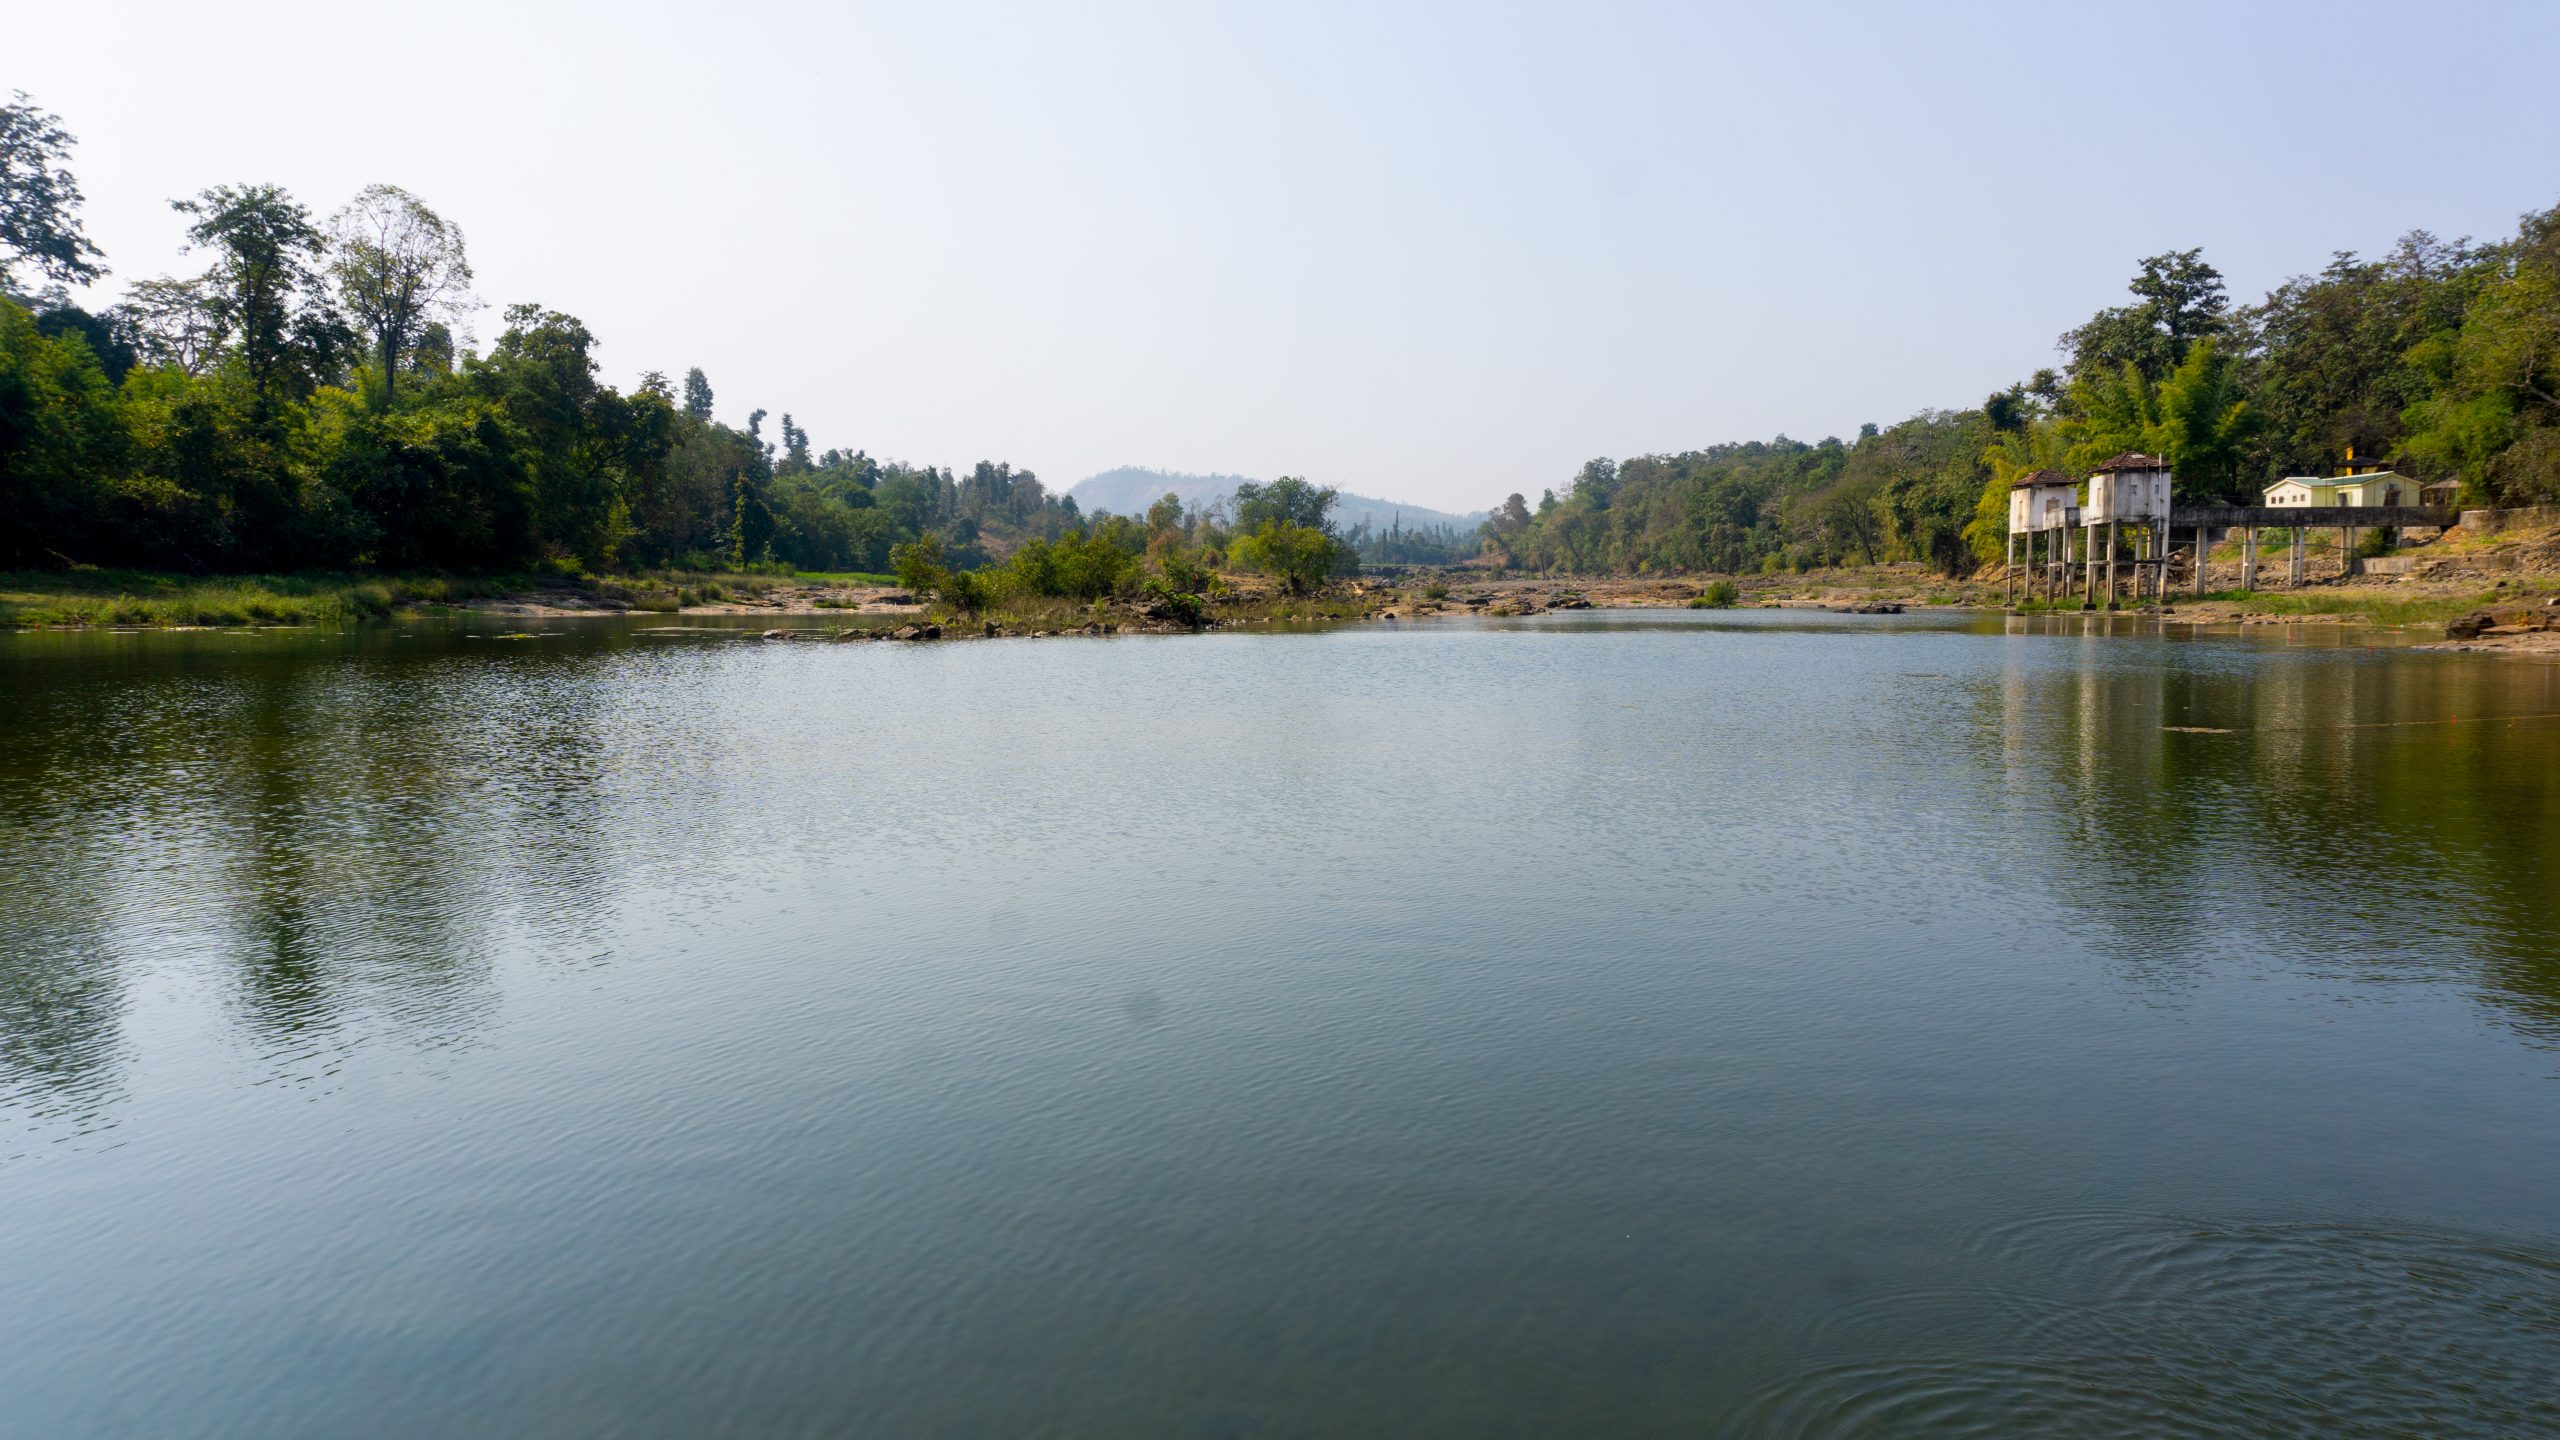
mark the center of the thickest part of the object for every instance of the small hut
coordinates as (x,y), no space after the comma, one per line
(2043,506)
(2042,500)
(2132,486)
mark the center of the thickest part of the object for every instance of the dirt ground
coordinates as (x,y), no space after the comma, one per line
(2511,577)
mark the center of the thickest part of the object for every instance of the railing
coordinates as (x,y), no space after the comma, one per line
(2289,517)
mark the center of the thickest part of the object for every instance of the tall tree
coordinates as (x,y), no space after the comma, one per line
(2492,416)
(400,267)
(2181,301)
(39,201)
(1288,500)
(2197,417)
(2328,350)
(795,449)
(175,322)
(264,287)
(542,374)
(697,394)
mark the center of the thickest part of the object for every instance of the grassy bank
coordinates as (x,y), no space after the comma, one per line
(142,597)
(2374,606)
(145,597)
(2379,608)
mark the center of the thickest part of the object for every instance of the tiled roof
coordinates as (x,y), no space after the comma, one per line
(2131,460)
(2034,478)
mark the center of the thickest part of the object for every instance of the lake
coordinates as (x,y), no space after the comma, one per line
(1645,1023)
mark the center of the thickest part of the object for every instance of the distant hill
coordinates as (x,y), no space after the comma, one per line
(1132,488)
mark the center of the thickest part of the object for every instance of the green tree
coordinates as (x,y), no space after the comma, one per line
(61,434)
(2492,416)
(175,322)
(2180,301)
(697,394)
(2197,417)
(400,267)
(919,564)
(264,288)
(1288,500)
(439,484)
(586,448)
(2331,349)
(39,200)
(795,449)
(1300,557)
(2205,423)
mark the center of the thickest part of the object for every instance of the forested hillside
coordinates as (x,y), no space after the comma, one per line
(2443,358)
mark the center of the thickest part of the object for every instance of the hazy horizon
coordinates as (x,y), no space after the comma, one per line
(1435,254)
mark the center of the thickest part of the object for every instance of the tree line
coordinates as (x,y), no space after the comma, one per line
(307,399)
(2441,358)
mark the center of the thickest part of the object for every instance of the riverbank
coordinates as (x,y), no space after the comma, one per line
(96,597)
(2516,600)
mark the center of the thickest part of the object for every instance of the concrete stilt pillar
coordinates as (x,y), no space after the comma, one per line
(2112,540)
(2248,558)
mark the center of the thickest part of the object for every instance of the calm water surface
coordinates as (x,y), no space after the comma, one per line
(1753,1024)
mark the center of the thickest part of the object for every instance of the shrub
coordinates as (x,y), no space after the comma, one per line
(1719,595)
(1436,589)
(1072,567)
(1185,573)
(1299,556)
(1171,604)
(919,563)
(966,591)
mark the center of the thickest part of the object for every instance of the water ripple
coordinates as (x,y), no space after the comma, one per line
(2152,1326)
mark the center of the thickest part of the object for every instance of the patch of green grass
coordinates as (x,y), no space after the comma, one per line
(92,596)
(140,597)
(842,577)
(2381,610)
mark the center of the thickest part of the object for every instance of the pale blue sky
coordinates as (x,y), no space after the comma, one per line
(1438,252)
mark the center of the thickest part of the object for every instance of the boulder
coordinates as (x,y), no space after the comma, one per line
(926,631)
(2469,627)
